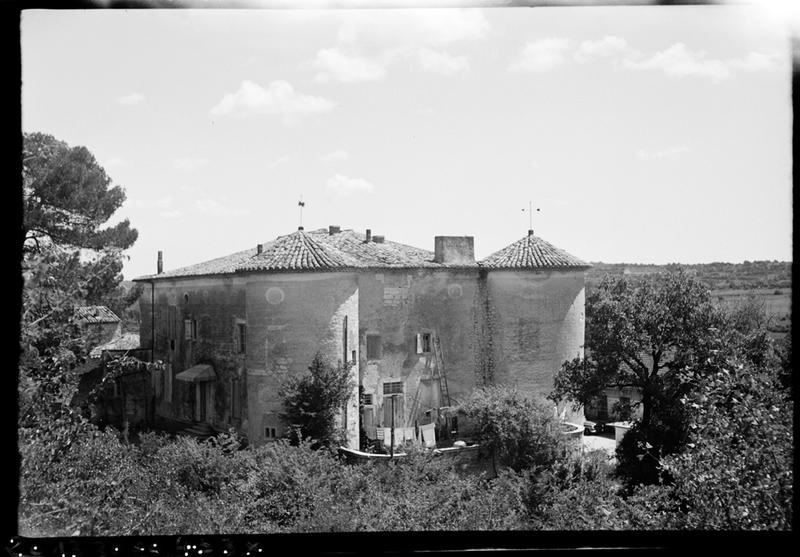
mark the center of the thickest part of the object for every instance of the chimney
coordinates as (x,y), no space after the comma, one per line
(369,235)
(530,232)
(299,228)
(377,239)
(259,248)
(454,249)
(160,264)
(333,229)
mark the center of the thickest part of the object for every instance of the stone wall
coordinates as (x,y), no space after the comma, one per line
(291,316)
(537,322)
(397,307)
(206,310)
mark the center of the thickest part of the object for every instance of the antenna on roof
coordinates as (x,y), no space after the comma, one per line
(530,217)
(301,204)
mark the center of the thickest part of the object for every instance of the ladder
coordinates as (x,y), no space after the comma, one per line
(437,352)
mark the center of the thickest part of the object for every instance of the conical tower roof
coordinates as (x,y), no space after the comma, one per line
(298,251)
(531,252)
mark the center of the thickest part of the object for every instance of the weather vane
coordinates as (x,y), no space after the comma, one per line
(301,204)
(530,217)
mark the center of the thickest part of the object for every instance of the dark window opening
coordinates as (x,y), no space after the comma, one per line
(190,329)
(368,399)
(374,347)
(242,338)
(344,338)
(424,343)
(270,432)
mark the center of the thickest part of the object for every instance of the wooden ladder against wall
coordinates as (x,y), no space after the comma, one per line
(412,414)
(437,352)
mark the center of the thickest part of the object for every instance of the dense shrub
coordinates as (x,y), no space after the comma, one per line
(520,433)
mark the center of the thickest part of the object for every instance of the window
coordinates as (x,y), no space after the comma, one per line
(368,399)
(270,433)
(393,388)
(374,347)
(242,338)
(172,323)
(236,406)
(344,338)
(190,329)
(424,344)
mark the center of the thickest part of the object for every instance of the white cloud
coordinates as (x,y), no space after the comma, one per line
(338,155)
(451,25)
(283,159)
(130,100)
(606,47)
(392,35)
(666,153)
(189,164)
(171,215)
(279,98)
(385,29)
(114,161)
(755,61)
(217,207)
(541,55)
(679,61)
(441,62)
(342,185)
(334,64)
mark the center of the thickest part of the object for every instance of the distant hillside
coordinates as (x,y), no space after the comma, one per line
(770,282)
(717,276)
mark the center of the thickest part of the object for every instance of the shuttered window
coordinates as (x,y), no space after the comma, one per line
(393,388)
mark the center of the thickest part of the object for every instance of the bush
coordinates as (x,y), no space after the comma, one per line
(520,433)
(311,402)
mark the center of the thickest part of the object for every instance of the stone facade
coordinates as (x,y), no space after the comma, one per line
(422,328)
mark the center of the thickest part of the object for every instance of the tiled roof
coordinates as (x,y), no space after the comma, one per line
(299,251)
(95,314)
(218,266)
(128,341)
(317,250)
(386,254)
(531,252)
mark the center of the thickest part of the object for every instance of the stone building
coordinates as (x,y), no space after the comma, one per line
(422,328)
(98,324)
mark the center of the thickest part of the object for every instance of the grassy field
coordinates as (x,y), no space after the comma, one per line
(777,304)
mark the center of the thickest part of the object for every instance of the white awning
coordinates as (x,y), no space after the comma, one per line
(197,374)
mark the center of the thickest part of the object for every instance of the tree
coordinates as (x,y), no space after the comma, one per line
(641,333)
(312,401)
(520,433)
(737,469)
(67,197)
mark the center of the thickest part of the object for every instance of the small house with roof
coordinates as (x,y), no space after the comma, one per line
(98,323)
(421,328)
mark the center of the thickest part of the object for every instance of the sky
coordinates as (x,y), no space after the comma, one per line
(641,134)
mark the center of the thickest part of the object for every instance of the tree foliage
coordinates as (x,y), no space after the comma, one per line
(639,333)
(519,432)
(68,197)
(312,401)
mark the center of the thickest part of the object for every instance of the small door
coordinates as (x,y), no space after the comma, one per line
(399,411)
